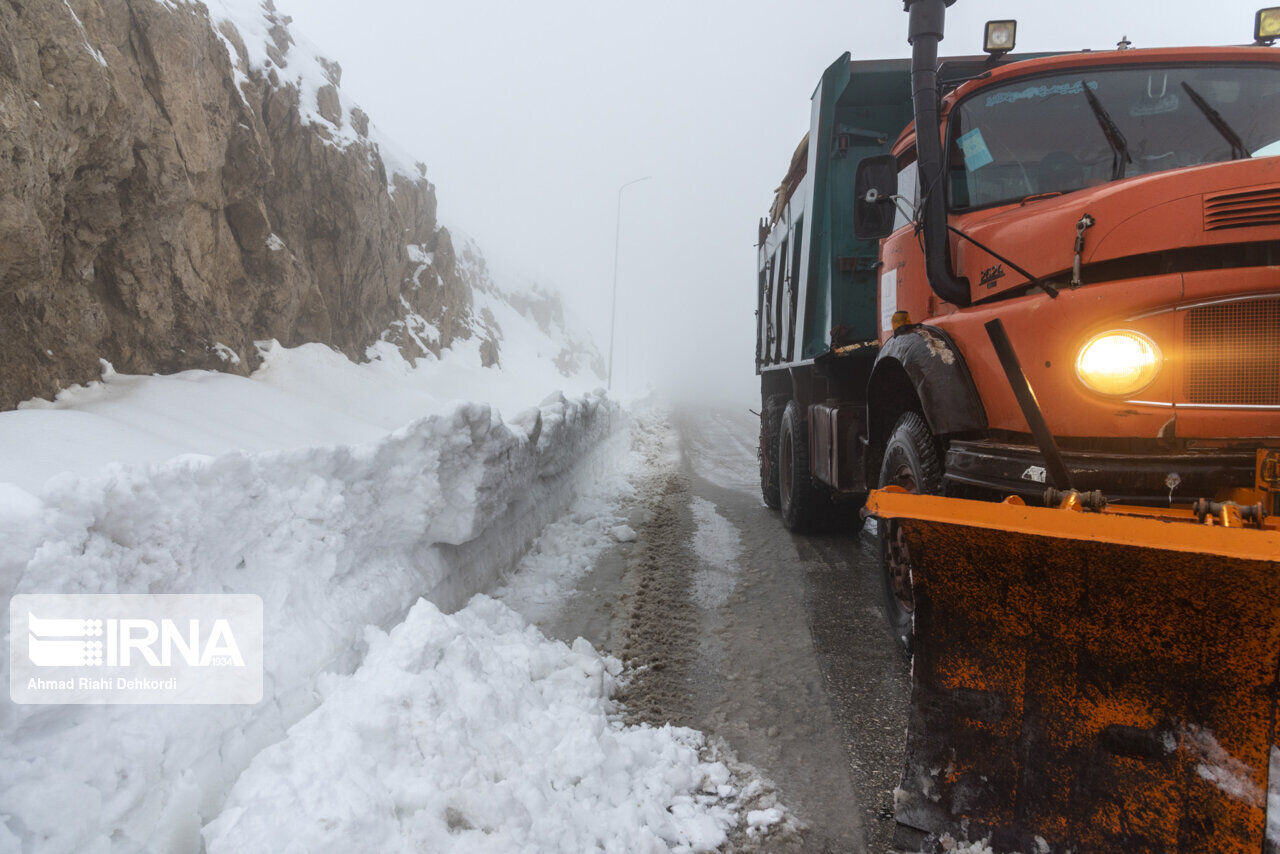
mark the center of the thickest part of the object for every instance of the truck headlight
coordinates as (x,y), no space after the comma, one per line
(1118,363)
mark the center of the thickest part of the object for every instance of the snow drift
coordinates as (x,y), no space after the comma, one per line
(332,538)
(473,733)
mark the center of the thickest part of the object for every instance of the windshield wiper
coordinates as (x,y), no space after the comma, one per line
(1115,138)
(1238,151)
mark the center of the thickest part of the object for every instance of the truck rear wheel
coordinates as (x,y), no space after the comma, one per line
(770,431)
(911,461)
(803,503)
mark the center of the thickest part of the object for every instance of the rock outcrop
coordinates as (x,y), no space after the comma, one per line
(176,184)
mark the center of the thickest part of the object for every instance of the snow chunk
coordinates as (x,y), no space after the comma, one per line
(225,353)
(419,255)
(623,533)
(759,819)
(1220,768)
(952,846)
(274,243)
(1273,798)
(473,732)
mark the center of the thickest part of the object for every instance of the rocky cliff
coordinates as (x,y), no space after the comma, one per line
(179,180)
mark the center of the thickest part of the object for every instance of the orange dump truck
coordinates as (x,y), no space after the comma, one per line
(1056,278)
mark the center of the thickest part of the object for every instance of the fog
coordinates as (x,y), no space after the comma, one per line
(530,116)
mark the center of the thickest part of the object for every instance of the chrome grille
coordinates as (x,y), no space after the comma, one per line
(1243,209)
(1232,354)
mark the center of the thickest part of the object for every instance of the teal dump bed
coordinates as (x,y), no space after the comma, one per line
(868,107)
(815,276)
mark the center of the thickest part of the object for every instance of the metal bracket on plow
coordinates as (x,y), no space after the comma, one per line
(1268,479)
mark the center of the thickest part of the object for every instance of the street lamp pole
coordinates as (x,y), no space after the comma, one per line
(617,241)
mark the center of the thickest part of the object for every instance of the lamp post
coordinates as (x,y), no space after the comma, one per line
(617,241)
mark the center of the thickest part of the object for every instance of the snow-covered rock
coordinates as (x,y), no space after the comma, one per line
(623,533)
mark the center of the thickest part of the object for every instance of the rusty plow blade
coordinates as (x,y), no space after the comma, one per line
(1090,681)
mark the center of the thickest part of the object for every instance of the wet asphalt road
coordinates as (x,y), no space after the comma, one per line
(774,644)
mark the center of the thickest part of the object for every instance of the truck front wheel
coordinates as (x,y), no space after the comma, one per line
(803,502)
(911,461)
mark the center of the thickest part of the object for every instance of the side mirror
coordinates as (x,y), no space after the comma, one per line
(875,186)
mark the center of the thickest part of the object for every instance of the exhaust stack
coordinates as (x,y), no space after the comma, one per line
(926,31)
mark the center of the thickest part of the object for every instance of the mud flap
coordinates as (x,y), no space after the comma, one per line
(1087,682)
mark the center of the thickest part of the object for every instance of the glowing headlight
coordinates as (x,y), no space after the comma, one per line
(1001,36)
(1118,363)
(1266,28)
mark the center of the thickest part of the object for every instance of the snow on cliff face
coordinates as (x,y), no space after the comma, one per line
(271,47)
(530,320)
(502,301)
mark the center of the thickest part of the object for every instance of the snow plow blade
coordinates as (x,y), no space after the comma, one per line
(1090,681)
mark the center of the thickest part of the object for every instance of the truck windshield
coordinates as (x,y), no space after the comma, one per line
(1065,132)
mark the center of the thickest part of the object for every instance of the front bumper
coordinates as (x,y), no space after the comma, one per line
(1131,478)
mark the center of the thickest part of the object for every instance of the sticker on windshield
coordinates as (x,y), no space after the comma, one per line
(1010,96)
(1168,104)
(976,153)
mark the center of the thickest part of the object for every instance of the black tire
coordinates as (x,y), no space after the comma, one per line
(911,460)
(770,430)
(804,505)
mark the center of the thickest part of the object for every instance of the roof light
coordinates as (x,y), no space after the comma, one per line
(1266,27)
(1001,37)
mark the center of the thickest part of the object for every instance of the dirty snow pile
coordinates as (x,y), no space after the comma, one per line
(473,732)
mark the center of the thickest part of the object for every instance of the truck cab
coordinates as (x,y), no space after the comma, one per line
(1129,243)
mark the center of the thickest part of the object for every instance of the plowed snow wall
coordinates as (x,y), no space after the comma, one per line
(332,539)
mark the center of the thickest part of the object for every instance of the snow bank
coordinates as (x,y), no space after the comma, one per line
(333,538)
(475,733)
(299,397)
